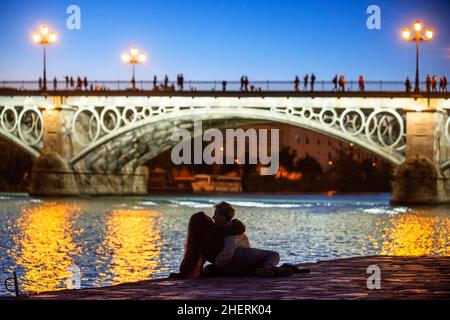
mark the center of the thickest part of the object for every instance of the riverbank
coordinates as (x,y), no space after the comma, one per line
(401,278)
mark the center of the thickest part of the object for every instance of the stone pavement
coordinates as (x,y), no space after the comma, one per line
(401,278)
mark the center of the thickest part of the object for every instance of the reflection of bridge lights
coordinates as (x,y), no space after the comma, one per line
(132,245)
(45,246)
(414,235)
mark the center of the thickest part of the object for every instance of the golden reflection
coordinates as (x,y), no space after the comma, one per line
(414,235)
(46,246)
(132,244)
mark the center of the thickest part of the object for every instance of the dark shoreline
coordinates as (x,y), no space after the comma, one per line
(402,278)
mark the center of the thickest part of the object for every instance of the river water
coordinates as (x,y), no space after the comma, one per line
(115,240)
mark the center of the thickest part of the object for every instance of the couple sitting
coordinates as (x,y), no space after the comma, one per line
(222,242)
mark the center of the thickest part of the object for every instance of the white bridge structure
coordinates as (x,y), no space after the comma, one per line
(98,142)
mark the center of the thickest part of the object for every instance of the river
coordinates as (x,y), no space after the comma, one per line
(116,240)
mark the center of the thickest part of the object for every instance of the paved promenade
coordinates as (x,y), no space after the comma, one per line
(401,278)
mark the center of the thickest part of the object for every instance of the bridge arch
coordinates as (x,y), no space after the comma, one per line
(381,131)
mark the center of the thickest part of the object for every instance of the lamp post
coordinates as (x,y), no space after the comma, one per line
(44,37)
(417,38)
(133,57)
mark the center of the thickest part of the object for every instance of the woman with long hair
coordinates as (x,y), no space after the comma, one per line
(204,242)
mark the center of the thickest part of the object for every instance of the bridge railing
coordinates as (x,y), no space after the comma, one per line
(219,85)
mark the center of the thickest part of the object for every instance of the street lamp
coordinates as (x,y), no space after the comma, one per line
(44,37)
(418,37)
(134,56)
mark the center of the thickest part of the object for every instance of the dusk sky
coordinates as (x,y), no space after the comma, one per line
(223,39)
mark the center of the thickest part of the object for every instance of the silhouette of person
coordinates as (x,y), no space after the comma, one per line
(361,83)
(335,83)
(342,83)
(242,83)
(224,86)
(434,83)
(166,82)
(305,81)
(55,83)
(407,84)
(297,84)
(79,83)
(313,80)
(246,82)
(444,78)
(72,83)
(85,83)
(67,82)
(181,82)
(40,83)
(428,82)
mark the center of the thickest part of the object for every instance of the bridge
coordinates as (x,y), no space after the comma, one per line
(97,141)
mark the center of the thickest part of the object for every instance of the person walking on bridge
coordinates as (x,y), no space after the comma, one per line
(445,83)
(85,83)
(407,85)
(67,82)
(342,83)
(55,84)
(313,80)
(297,84)
(305,81)
(72,83)
(434,83)
(166,82)
(335,83)
(361,83)
(428,83)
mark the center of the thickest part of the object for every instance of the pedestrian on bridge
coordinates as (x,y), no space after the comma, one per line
(246,82)
(67,82)
(242,83)
(85,83)
(342,83)
(407,85)
(40,83)
(305,81)
(297,84)
(445,83)
(313,80)
(72,83)
(166,82)
(224,86)
(335,83)
(428,83)
(79,83)
(434,83)
(55,83)
(361,83)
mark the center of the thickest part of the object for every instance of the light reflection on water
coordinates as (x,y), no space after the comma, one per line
(131,239)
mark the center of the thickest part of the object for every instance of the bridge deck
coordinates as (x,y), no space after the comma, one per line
(243,94)
(401,278)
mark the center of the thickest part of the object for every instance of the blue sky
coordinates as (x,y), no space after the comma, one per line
(223,39)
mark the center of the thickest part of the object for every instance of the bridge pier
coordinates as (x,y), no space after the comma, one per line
(53,176)
(419,180)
